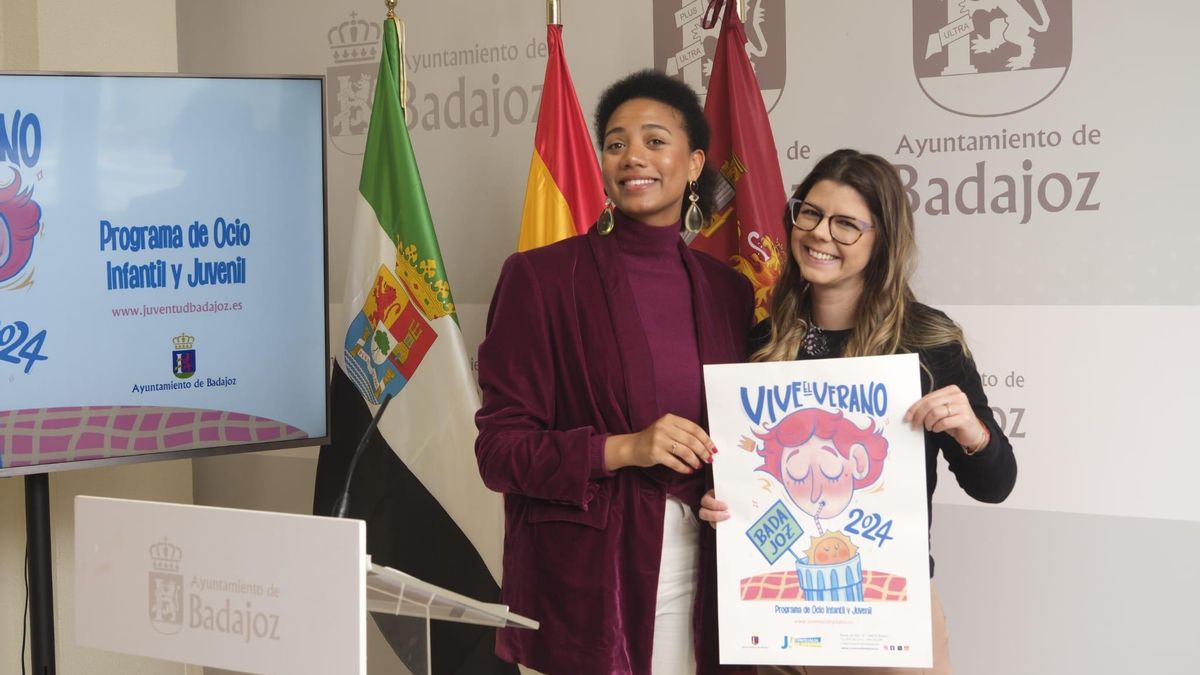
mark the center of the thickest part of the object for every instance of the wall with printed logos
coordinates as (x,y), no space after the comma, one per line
(1050,178)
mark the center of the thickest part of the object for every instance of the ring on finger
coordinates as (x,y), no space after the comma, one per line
(673,446)
(949,410)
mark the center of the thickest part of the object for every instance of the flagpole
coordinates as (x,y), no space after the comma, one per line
(553,13)
(716,10)
(401,76)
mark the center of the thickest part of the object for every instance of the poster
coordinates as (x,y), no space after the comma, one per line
(825,558)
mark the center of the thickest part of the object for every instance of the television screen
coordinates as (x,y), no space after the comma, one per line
(162,268)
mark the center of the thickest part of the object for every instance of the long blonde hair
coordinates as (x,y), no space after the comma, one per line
(888,319)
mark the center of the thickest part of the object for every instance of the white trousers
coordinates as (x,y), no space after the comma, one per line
(674,648)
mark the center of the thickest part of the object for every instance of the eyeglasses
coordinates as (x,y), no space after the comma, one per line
(843,229)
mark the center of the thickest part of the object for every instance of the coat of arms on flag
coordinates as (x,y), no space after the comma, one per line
(387,340)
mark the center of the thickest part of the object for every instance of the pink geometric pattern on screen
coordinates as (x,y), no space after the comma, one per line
(50,435)
(150,422)
(877,587)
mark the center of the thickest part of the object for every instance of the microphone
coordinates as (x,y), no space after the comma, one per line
(342,505)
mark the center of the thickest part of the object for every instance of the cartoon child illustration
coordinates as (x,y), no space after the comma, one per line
(821,458)
(20,220)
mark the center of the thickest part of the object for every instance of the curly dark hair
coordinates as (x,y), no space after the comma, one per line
(653,85)
(665,89)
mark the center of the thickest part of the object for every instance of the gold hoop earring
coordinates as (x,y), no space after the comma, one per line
(607,222)
(693,220)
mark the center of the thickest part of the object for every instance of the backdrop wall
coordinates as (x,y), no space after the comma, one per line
(1052,221)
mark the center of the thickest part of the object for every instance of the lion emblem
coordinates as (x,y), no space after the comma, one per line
(1016,28)
(762,268)
(165,607)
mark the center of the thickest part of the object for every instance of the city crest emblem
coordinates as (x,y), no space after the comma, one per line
(183,358)
(350,83)
(166,588)
(684,49)
(987,58)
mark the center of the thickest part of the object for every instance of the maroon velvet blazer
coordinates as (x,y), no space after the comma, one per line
(564,364)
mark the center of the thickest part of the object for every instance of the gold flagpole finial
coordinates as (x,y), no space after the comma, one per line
(401,75)
(553,12)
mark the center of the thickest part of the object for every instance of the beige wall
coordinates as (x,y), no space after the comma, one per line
(18,35)
(102,35)
(106,35)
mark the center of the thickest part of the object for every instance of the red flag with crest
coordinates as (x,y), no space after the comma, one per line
(746,228)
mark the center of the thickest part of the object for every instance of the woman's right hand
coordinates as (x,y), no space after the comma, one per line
(713,510)
(672,441)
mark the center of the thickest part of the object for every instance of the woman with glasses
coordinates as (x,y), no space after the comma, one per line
(593,413)
(847,294)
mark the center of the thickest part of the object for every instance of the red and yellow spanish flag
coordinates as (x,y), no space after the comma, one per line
(746,228)
(565,193)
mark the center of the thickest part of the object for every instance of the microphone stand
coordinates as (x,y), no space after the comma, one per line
(342,505)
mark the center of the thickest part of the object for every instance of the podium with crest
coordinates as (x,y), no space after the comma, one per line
(249,591)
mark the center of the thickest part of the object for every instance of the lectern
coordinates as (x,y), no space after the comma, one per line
(252,591)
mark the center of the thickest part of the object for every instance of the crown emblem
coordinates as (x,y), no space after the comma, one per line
(183,341)
(165,556)
(423,280)
(354,40)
